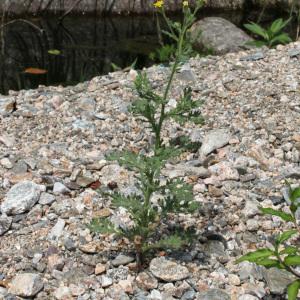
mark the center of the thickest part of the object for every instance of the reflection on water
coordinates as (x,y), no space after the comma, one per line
(88,46)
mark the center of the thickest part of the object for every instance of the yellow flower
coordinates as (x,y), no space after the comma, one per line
(185,3)
(158,3)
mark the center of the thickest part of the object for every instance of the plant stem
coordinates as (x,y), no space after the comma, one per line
(288,268)
(158,141)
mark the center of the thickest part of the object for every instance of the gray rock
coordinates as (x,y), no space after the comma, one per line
(27,110)
(278,280)
(5,223)
(57,230)
(7,105)
(219,35)
(215,139)
(106,281)
(188,295)
(83,125)
(3,292)
(294,52)
(213,294)
(253,57)
(122,260)
(87,104)
(7,140)
(60,188)
(62,292)
(46,198)
(21,197)
(84,181)
(186,74)
(215,248)
(20,167)
(117,274)
(6,163)
(248,270)
(224,171)
(247,297)
(251,208)
(146,281)
(167,270)
(26,285)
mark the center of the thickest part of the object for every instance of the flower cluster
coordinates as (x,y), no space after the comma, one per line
(160,3)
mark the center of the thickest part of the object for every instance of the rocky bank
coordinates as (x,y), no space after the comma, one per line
(16,7)
(53,142)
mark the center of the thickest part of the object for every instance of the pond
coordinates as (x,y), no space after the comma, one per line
(87,46)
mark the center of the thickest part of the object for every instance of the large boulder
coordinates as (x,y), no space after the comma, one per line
(218,35)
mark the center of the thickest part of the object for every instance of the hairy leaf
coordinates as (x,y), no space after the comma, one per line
(102,226)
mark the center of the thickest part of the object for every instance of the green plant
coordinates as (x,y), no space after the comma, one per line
(175,195)
(295,15)
(163,54)
(167,51)
(271,36)
(283,254)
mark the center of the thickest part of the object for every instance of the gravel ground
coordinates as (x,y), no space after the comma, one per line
(53,142)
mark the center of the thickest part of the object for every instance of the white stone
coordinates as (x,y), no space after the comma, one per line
(6,163)
(215,139)
(167,270)
(60,188)
(21,197)
(57,230)
(26,285)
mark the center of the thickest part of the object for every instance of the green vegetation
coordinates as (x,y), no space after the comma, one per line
(175,195)
(284,254)
(271,36)
(167,52)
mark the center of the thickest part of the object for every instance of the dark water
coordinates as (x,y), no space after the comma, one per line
(88,46)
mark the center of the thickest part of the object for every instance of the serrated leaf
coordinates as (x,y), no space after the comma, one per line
(268,262)
(256,255)
(294,194)
(292,260)
(289,250)
(285,236)
(293,290)
(278,213)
